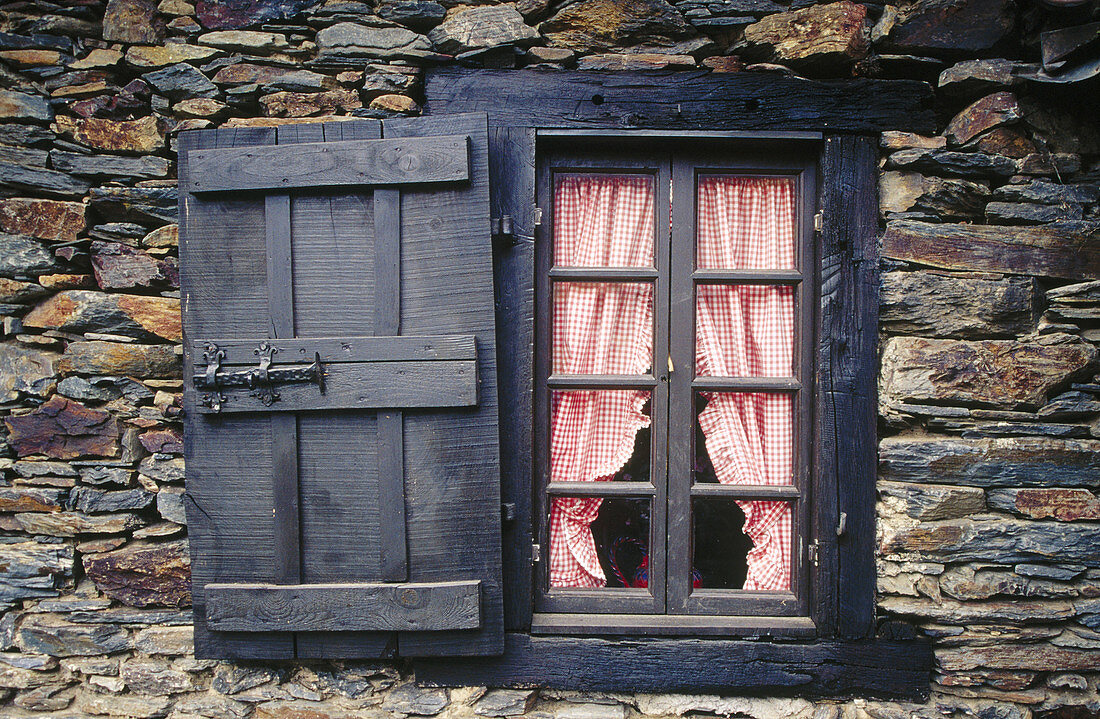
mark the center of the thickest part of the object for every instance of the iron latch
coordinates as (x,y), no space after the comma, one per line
(261,379)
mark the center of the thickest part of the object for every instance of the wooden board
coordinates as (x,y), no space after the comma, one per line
(347,349)
(878,668)
(680,100)
(343,607)
(330,164)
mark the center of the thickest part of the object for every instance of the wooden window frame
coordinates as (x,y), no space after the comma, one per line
(845,652)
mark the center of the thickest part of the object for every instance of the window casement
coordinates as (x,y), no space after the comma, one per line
(675,291)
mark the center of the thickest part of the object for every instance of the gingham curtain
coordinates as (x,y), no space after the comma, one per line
(598,328)
(748,330)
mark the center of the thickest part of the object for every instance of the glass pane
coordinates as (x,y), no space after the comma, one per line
(603,220)
(746,223)
(599,542)
(602,327)
(741,544)
(599,435)
(744,438)
(744,330)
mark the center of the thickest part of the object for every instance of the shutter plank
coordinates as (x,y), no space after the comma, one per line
(330,164)
(348,349)
(343,607)
(452,472)
(229,496)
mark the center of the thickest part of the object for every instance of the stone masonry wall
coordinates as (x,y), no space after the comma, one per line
(989,520)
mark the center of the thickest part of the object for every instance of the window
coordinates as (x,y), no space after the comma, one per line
(675,291)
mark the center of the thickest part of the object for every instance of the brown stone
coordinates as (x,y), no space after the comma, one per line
(99,58)
(967,584)
(16,291)
(131,136)
(67,282)
(989,373)
(1070,250)
(119,266)
(25,371)
(990,612)
(31,58)
(1036,657)
(243,73)
(278,121)
(116,358)
(811,37)
(302,104)
(400,104)
(138,316)
(962,306)
(974,77)
(948,197)
(144,575)
(1000,108)
(162,440)
(1041,163)
(154,56)
(16,106)
(594,26)
(44,219)
(64,429)
(132,21)
(123,705)
(634,61)
(1067,505)
(724,63)
(244,40)
(1002,541)
(897,140)
(86,90)
(167,236)
(30,499)
(1004,141)
(952,26)
(71,524)
(932,501)
(199,107)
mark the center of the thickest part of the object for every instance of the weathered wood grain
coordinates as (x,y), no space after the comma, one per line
(875,668)
(332,350)
(846,385)
(1067,250)
(330,164)
(680,100)
(343,607)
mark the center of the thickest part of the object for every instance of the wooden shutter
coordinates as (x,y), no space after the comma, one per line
(341,411)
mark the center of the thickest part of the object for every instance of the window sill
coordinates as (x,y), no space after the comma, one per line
(673,625)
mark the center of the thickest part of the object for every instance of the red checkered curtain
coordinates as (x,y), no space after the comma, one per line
(748,331)
(598,328)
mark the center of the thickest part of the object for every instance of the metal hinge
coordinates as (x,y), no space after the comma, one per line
(814,546)
(537,216)
(819,222)
(536,553)
(508,511)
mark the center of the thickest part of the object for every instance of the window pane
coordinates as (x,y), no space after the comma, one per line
(744,438)
(603,220)
(746,223)
(744,330)
(741,544)
(599,542)
(602,327)
(599,435)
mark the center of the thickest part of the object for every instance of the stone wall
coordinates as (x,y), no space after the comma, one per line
(989,521)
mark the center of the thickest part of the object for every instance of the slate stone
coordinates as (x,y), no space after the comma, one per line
(106,475)
(156,56)
(18,292)
(235,14)
(146,205)
(21,256)
(1048,193)
(155,678)
(1026,213)
(819,36)
(1060,572)
(986,373)
(961,164)
(1000,108)
(31,469)
(31,499)
(974,77)
(17,106)
(134,360)
(595,26)
(949,198)
(932,501)
(63,429)
(136,137)
(163,441)
(124,705)
(33,570)
(162,468)
(634,61)
(38,179)
(43,219)
(126,232)
(235,678)
(117,266)
(132,21)
(51,635)
(147,166)
(1058,164)
(967,584)
(144,575)
(927,303)
(181,81)
(298,81)
(16,135)
(505,702)
(482,27)
(249,41)
(1037,657)
(420,15)
(1004,141)
(93,501)
(1016,462)
(82,390)
(26,371)
(952,26)
(414,700)
(1066,505)
(1002,541)
(244,73)
(137,316)
(353,40)
(170,505)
